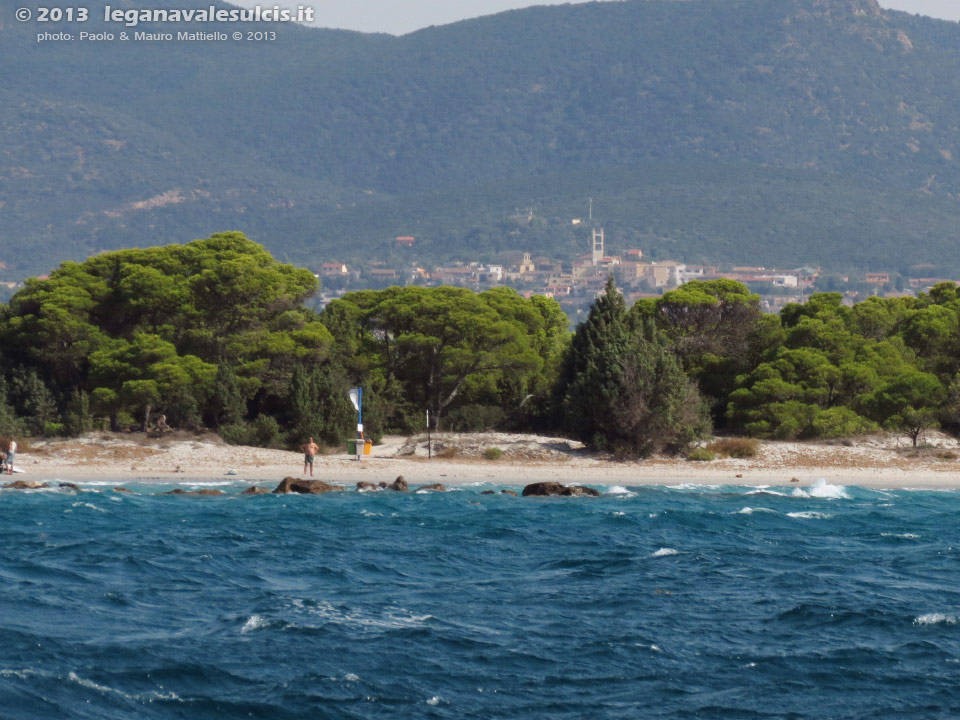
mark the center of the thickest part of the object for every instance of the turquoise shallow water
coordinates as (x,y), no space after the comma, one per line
(689,602)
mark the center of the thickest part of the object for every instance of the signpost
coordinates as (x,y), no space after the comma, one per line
(356,397)
(429,447)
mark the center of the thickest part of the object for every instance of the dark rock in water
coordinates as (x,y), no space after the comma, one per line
(400,485)
(70,486)
(26,485)
(555,489)
(315,487)
(285,484)
(508,492)
(256,490)
(205,491)
(488,492)
(122,489)
(544,489)
(581,491)
(306,487)
(436,487)
(364,486)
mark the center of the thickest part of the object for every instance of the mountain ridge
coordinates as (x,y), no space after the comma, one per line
(110,145)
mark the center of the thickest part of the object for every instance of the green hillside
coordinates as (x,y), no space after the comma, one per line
(760,131)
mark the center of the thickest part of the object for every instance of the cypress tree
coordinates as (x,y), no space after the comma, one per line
(658,407)
(591,381)
(319,406)
(624,390)
(227,406)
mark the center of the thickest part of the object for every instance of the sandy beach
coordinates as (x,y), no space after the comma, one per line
(878,461)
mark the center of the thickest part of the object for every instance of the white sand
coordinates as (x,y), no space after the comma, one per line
(880,461)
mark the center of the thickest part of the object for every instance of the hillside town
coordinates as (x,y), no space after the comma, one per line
(575,282)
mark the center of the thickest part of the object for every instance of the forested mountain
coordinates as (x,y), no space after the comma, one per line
(744,131)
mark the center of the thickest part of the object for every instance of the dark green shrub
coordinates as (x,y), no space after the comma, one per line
(740,448)
(53,429)
(238,433)
(473,418)
(266,432)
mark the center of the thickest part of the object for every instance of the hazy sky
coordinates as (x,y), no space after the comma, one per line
(403,16)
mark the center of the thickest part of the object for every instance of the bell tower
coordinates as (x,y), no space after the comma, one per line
(597,241)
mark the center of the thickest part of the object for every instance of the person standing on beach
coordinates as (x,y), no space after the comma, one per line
(11,451)
(310,449)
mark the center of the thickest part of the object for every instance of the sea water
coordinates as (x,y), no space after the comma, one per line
(653,602)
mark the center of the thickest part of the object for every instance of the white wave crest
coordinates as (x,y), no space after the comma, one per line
(254,622)
(435,700)
(935,619)
(751,511)
(905,536)
(367,513)
(148,697)
(351,677)
(823,490)
(810,515)
(665,552)
(395,619)
(765,491)
(88,505)
(619,490)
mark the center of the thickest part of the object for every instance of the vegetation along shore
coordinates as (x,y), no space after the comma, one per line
(213,335)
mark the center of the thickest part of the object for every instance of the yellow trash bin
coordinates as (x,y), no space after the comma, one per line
(367,447)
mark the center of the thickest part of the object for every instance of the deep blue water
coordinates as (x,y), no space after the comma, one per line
(659,603)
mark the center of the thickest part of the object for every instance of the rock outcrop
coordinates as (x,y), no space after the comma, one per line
(25,485)
(256,490)
(555,489)
(364,486)
(436,487)
(306,487)
(400,485)
(122,490)
(70,486)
